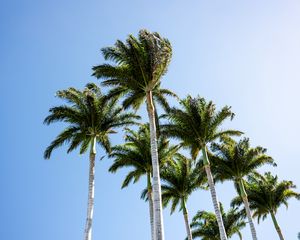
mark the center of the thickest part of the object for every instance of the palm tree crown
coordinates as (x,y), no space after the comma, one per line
(89,115)
(136,153)
(181,178)
(197,123)
(235,160)
(140,64)
(205,225)
(266,194)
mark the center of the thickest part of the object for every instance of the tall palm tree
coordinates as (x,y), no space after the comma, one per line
(91,118)
(180,179)
(236,160)
(136,154)
(266,195)
(196,124)
(205,224)
(139,65)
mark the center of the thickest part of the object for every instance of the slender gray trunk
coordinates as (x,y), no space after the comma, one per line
(247,208)
(213,193)
(186,220)
(150,200)
(156,186)
(277,226)
(90,209)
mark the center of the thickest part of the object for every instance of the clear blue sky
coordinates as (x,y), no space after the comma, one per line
(241,53)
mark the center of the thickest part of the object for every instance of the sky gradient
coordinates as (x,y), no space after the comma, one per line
(245,54)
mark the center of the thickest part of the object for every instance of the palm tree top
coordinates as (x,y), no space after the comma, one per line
(204,224)
(234,160)
(266,194)
(135,153)
(180,179)
(89,114)
(138,66)
(197,123)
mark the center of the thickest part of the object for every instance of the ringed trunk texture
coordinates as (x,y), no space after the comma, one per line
(247,208)
(223,235)
(150,200)
(156,186)
(187,223)
(90,209)
(277,226)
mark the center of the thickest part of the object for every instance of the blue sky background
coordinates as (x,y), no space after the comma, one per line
(241,53)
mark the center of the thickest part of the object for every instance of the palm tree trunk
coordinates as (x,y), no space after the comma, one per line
(156,186)
(247,208)
(186,220)
(213,193)
(150,200)
(277,226)
(90,209)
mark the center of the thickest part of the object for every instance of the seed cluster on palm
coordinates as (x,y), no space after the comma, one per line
(132,76)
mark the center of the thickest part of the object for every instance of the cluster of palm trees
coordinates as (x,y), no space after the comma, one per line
(133,74)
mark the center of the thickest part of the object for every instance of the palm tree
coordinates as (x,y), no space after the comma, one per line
(236,160)
(196,125)
(180,179)
(205,224)
(136,76)
(266,195)
(136,154)
(91,118)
